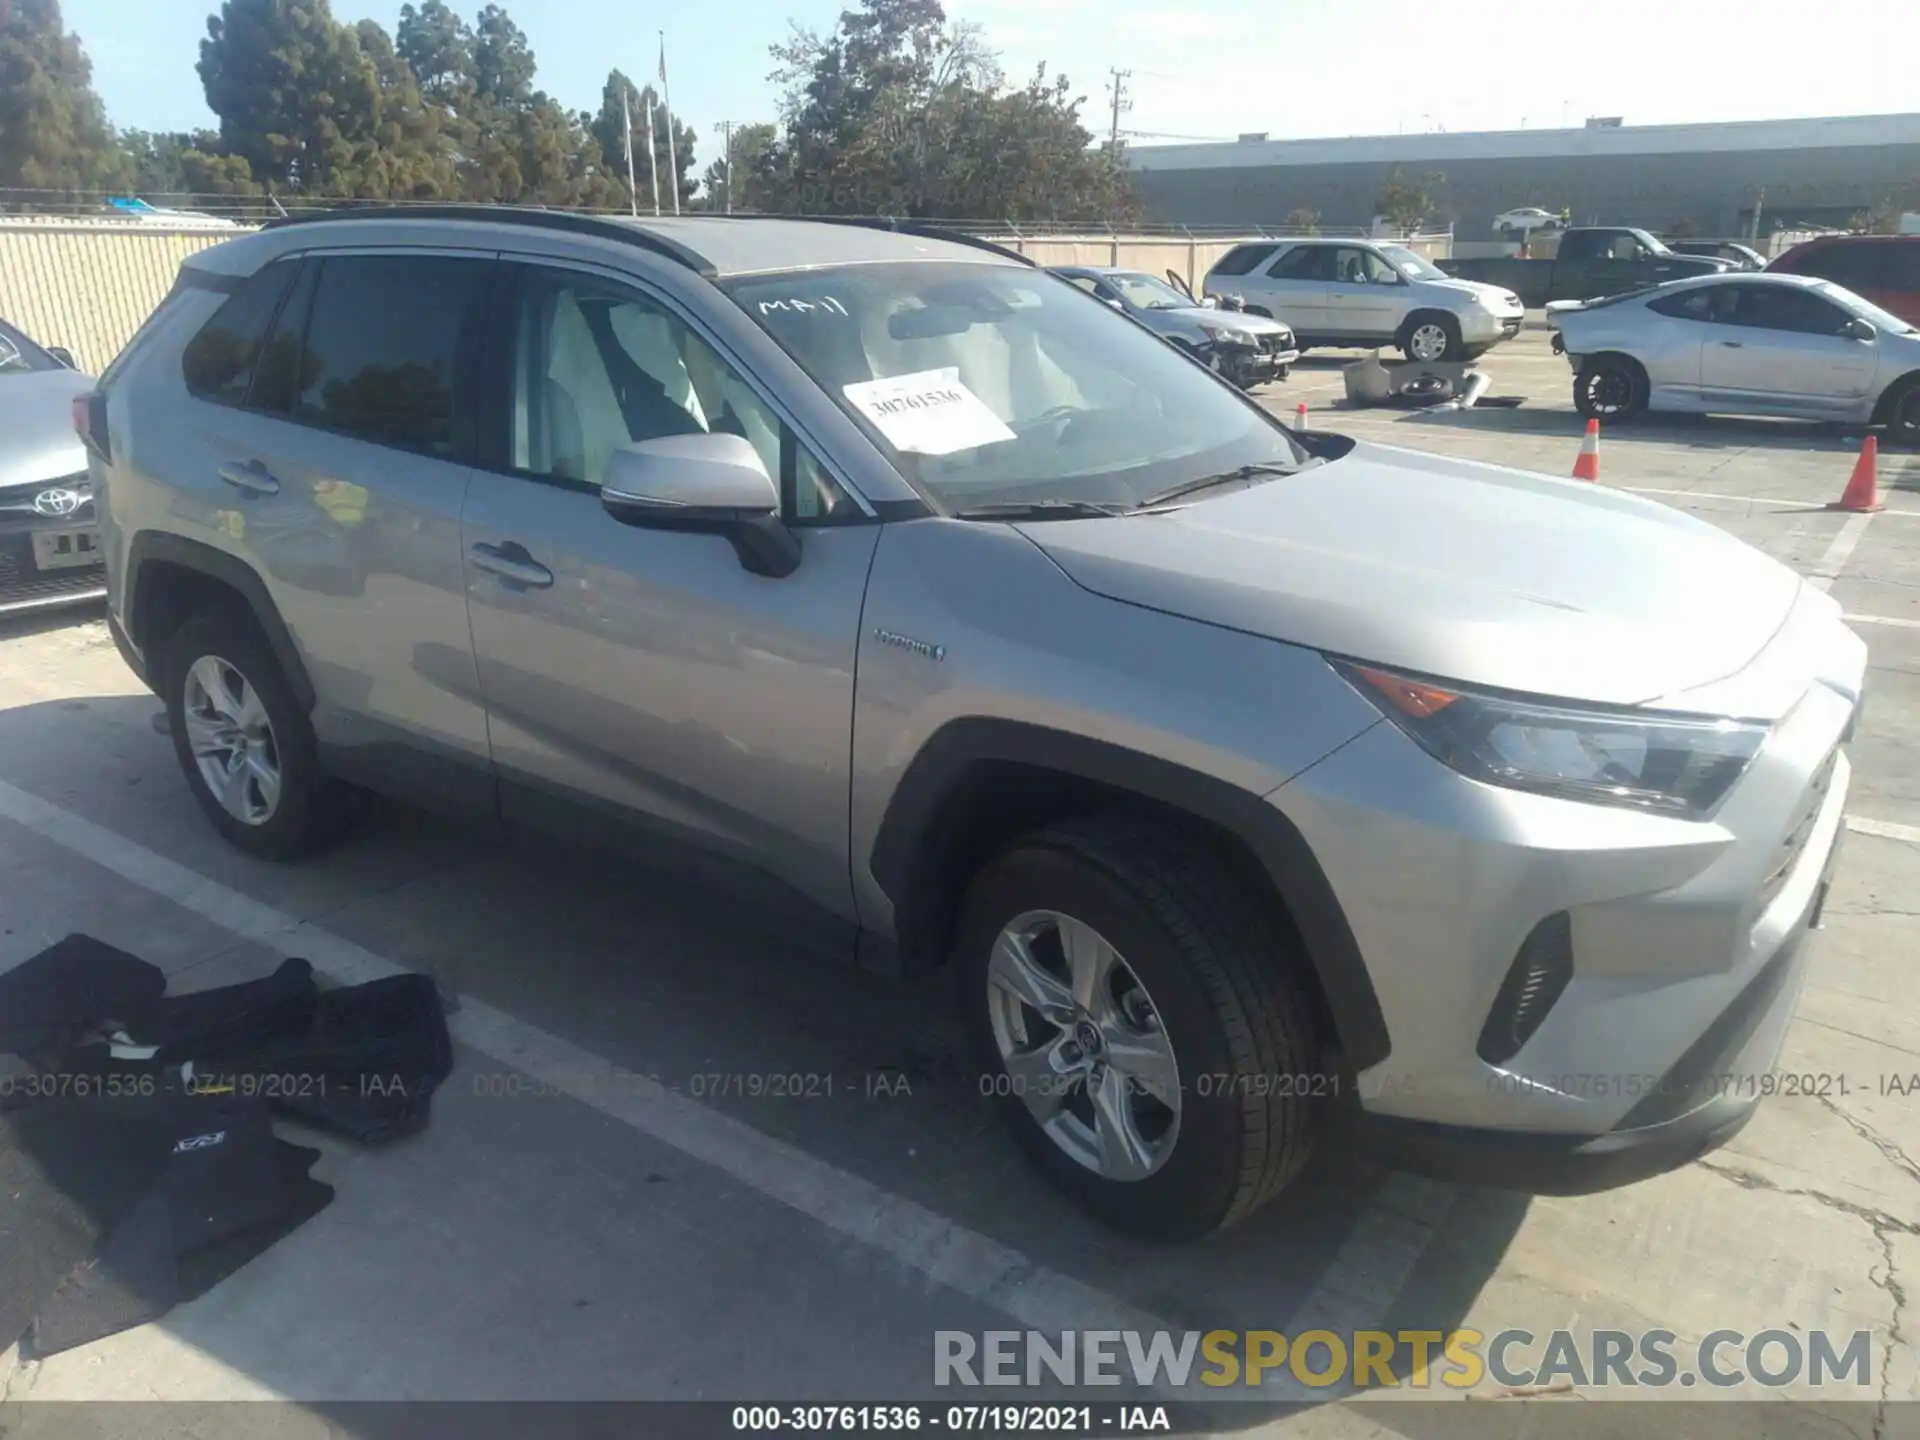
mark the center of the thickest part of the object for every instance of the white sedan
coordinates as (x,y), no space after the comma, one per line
(1528,218)
(1743,344)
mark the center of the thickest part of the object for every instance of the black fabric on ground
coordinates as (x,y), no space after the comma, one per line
(68,1174)
(367,1068)
(142,1273)
(73,984)
(229,1016)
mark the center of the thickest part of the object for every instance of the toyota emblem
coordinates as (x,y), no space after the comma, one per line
(58,502)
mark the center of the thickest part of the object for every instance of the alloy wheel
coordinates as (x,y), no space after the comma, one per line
(232,740)
(1083,1045)
(1428,341)
(1609,392)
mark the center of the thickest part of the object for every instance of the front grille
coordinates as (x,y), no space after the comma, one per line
(1787,853)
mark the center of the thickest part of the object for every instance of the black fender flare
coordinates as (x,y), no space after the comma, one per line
(900,858)
(151,549)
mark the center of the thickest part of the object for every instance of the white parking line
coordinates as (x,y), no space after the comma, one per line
(1882,620)
(1366,1273)
(1827,569)
(1885,829)
(1773,502)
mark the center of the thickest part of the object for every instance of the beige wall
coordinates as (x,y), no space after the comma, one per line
(89,286)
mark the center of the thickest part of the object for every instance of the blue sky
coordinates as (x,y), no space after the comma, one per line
(1201,68)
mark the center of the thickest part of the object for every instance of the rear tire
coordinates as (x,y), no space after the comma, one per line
(1218,985)
(1610,387)
(233,716)
(1899,411)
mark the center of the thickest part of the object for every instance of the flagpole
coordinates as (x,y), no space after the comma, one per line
(653,156)
(666,98)
(626,114)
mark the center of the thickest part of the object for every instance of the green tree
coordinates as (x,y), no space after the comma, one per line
(438,48)
(1402,202)
(53,130)
(752,149)
(1304,221)
(606,127)
(897,111)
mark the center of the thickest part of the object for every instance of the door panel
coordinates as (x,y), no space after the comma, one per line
(1361,300)
(654,678)
(1774,347)
(340,476)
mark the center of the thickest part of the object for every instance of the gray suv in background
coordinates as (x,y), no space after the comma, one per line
(1251,785)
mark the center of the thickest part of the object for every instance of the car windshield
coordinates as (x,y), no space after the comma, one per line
(990,385)
(1149,293)
(1414,267)
(1866,309)
(20,356)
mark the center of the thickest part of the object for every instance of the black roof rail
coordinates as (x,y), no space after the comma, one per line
(601,226)
(924,229)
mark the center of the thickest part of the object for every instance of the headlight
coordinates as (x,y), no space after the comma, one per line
(1671,763)
(1221,335)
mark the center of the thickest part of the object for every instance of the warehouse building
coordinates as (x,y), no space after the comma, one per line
(1712,178)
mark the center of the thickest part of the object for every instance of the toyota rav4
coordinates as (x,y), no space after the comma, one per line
(1253,785)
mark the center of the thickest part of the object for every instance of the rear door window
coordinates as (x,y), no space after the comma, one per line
(218,363)
(1242,259)
(1305,262)
(391,348)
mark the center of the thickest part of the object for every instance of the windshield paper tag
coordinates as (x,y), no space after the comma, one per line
(928,412)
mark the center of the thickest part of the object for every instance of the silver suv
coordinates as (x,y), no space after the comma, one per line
(1253,785)
(1367,293)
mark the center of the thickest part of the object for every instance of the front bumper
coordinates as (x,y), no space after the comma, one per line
(1680,964)
(25,584)
(1485,327)
(1695,1108)
(1252,365)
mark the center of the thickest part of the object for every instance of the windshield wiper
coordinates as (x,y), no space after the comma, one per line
(1039,510)
(1210,482)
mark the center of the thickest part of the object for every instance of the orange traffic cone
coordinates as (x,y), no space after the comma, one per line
(1300,416)
(1862,495)
(1586,465)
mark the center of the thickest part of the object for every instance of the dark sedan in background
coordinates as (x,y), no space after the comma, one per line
(49,545)
(1247,349)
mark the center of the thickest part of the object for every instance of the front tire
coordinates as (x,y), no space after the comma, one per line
(1431,336)
(243,742)
(1142,1022)
(1610,387)
(1899,411)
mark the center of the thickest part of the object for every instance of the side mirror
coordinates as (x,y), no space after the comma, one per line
(707,484)
(64,356)
(1858,329)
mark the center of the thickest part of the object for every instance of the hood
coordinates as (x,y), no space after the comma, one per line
(37,442)
(1469,287)
(1230,320)
(1469,572)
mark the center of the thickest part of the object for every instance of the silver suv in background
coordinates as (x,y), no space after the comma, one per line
(1366,293)
(1250,785)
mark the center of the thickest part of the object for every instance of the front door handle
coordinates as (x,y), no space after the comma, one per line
(1733,344)
(512,562)
(249,475)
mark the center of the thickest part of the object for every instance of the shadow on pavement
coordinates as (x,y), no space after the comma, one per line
(657,974)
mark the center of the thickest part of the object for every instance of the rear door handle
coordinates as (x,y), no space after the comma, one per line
(511,561)
(251,476)
(1734,344)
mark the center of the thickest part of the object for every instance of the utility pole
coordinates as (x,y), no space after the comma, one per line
(1120,105)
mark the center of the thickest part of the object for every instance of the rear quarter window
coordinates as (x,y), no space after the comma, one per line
(1241,259)
(218,362)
